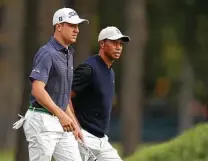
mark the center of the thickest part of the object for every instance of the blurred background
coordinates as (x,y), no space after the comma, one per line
(161,78)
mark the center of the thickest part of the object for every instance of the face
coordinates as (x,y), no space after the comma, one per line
(112,48)
(68,32)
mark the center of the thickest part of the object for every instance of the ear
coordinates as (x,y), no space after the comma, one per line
(58,27)
(102,44)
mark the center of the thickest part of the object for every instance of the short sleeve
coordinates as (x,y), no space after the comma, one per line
(41,67)
(82,77)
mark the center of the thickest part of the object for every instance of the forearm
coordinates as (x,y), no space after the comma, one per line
(73,94)
(70,112)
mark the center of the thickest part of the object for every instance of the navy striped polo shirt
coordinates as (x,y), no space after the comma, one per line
(53,65)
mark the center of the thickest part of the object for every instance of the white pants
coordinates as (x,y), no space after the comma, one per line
(46,138)
(100,147)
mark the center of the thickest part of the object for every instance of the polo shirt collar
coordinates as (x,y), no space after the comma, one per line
(56,44)
(60,47)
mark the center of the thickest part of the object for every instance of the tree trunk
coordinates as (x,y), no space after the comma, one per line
(187,74)
(10,83)
(88,33)
(186,96)
(132,76)
(67,3)
(45,15)
(30,47)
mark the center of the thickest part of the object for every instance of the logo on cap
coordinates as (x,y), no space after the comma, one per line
(60,18)
(117,30)
(73,13)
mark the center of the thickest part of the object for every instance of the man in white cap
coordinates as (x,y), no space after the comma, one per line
(92,94)
(49,121)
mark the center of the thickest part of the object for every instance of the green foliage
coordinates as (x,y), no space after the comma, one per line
(190,146)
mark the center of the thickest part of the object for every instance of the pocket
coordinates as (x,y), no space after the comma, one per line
(33,123)
(90,140)
(51,123)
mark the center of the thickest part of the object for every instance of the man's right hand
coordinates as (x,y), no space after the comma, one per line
(66,122)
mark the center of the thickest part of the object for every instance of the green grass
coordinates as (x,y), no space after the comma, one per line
(6,155)
(119,147)
(192,145)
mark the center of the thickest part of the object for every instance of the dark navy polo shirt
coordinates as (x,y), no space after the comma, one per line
(53,65)
(93,83)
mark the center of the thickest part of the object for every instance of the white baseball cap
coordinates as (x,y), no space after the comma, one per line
(67,15)
(112,33)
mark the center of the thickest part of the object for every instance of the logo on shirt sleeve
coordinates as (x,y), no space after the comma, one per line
(36,70)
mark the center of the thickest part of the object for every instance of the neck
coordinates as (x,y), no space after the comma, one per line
(107,61)
(60,40)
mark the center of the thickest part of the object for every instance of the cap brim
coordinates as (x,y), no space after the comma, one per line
(122,37)
(77,21)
